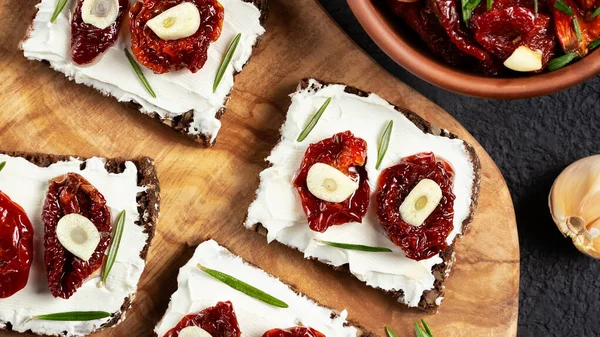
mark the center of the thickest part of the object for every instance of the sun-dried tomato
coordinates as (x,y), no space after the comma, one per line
(16,247)
(565,28)
(298,331)
(218,321)
(394,185)
(67,194)
(163,56)
(347,154)
(89,41)
(501,31)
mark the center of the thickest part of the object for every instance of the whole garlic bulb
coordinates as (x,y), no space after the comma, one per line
(575,204)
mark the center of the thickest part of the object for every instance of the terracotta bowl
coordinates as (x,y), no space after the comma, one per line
(403,46)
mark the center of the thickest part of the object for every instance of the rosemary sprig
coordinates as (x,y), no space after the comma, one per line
(75,316)
(2,164)
(577,28)
(350,246)
(561,61)
(139,73)
(384,143)
(226,61)
(563,7)
(390,332)
(595,13)
(489,4)
(313,121)
(594,44)
(535,7)
(467,9)
(427,328)
(244,287)
(114,246)
(60,5)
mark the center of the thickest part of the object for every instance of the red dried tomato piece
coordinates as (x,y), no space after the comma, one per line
(501,31)
(163,56)
(68,194)
(218,321)
(16,247)
(395,183)
(298,331)
(347,154)
(565,28)
(89,41)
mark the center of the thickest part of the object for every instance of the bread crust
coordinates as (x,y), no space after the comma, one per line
(148,204)
(183,122)
(440,271)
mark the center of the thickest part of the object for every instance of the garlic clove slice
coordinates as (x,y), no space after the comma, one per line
(524,59)
(176,22)
(575,204)
(193,331)
(100,13)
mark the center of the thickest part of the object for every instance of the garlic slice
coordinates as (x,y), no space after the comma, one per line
(330,184)
(420,202)
(193,331)
(100,13)
(78,235)
(176,22)
(524,59)
(575,204)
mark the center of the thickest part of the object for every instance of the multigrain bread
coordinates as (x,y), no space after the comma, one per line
(430,298)
(182,123)
(207,291)
(148,205)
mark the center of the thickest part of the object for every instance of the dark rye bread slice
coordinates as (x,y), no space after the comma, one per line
(361,331)
(183,122)
(440,271)
(148,202)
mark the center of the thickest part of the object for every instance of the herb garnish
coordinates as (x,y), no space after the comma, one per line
(72,316)
(467,9)
(244,287)
(226,60)
(114,247)
(489,4)
(350,246)
(60,5)
(577,29)
(535,7)
(139,73)
(563,7)
(595,13)
(384,143)
(594,44)
(313,121)
(561,61)
(2,164)
(390,332)
(424,331)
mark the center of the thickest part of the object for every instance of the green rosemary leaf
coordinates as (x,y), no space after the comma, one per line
(384,143)
(139,73)
(419,332)
(226,61)
(467,9)
(427,328)
(563,7)
(114,246)
(561,61)
(390,332)
(73,316)
(489,4)
(244,287)
(2,164)
(60,5)
(363,248)
(313,121)
(535,7)
(595,13)
(594,44)
(577,28)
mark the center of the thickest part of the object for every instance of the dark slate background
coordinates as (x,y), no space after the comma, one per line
(532,141)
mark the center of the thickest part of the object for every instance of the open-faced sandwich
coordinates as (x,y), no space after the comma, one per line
(358,182)
(207,304)
(174,59)
(74,235)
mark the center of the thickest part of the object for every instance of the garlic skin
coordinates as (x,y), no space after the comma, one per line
(575,204)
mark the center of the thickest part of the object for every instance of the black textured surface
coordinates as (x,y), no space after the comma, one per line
(532,141)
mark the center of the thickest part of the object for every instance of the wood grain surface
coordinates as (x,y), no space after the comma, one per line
(205,192)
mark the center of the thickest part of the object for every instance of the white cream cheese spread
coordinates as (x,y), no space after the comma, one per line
(197,291)
(278,208)
(27,185)
(177,92)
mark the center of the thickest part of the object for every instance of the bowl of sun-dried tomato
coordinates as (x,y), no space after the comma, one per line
(503,49)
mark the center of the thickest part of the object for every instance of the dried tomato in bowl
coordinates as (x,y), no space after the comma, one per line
(218,321)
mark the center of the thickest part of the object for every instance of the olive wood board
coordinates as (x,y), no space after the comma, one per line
(206,192)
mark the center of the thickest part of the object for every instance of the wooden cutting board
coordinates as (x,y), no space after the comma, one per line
(205,192)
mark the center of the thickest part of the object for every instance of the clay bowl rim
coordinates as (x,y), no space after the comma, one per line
(416,61)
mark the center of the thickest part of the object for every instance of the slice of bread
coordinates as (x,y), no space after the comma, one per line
(134,183)
(198,291)
(277,211)
(184,101)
